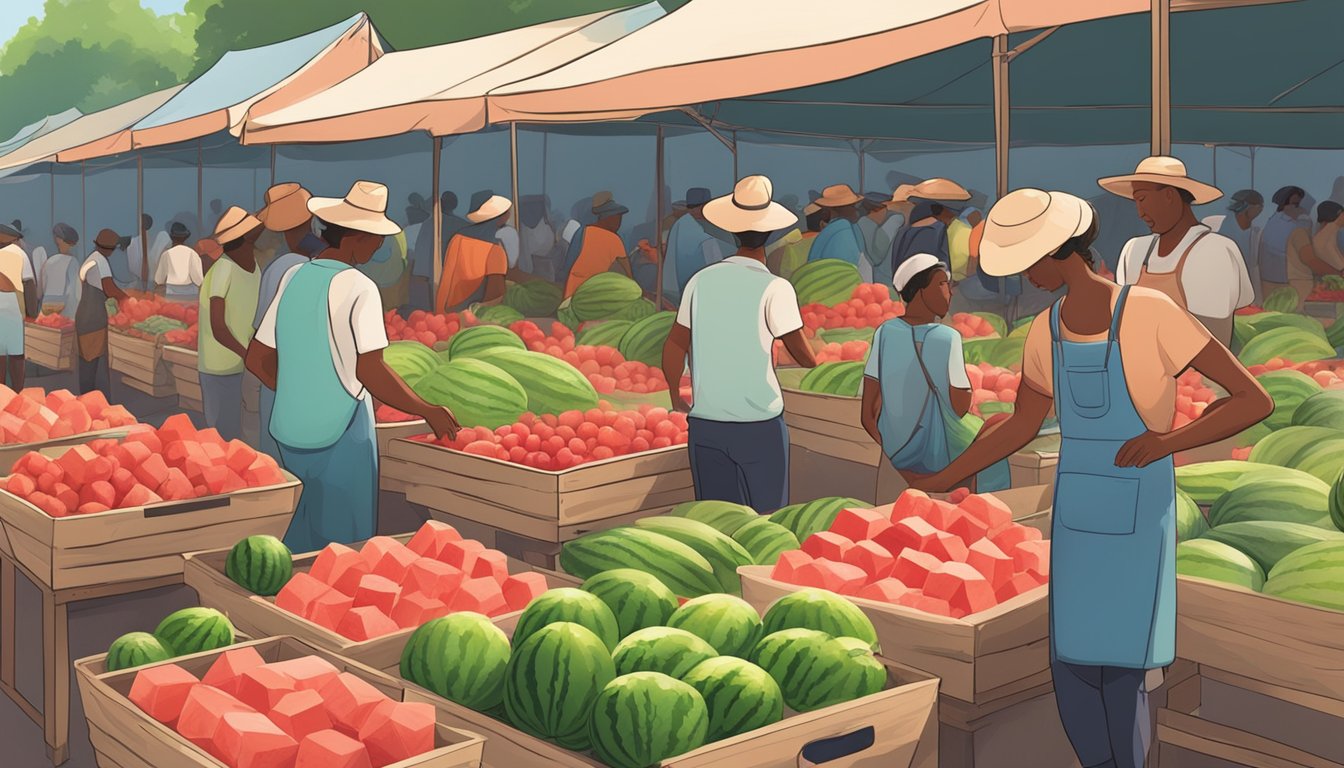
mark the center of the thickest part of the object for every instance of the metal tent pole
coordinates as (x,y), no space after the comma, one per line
(1161,58)
(734,148)
(513,161)
(1002,113)
(658,220)
(84,203)
(140,219)
(200,186)
(272,165)
(437,155)
(51,175)
(863,160)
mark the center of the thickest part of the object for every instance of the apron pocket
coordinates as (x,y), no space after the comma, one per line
(1097,503)
(1089,389)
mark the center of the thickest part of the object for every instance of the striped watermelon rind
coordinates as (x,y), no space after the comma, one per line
(637,599)
(826,281)
(195,630)
(260,564)
(844,379)
(1312,575)
(1336,502)
(725,556)
(739,695)
(572,605)
(815,670)
(607,334)
(1289,389)
(498,314)
(1190,522)
(552,385)
(668,650)
(1209,559)
(134,649)
(643,718)
(604,296)
(765,541)
(724,516)
(479,394)
(680,568)
(1269,542)
(1206,481)
(813,516)
(1323,409)
(1287,342)
(1285,501)
(534,298)
(471,342)
(553,680)
(638,310)
(461,657)
(411,360)
(727,623)
(643,341)
(820,610)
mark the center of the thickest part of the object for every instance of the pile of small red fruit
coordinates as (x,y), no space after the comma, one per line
(186,338)
(603,366)
(869,306)
(1192,397)
(972,326)
(950,558)
(991,384)
(149,466)
(294,713)
(428,328)
(1328,373)
(1251,310)
(33,416)
(53,320)
(1322,293)
(553,443)
(386,414)
(386,586)
(133,310)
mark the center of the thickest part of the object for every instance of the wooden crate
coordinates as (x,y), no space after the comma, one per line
(1003,733)
(545,506)
(125,737)
(259,616)
(892,729)
(182,364)
(51,348)
(1036,464)
(9,454)
(140,362)
(385,433)
(137,543)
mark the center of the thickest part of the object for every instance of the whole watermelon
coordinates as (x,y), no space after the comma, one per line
(637,310)
(471,342)
(725,556)
(727,623)
(637,599)
(1248,327)
(479,394)
(604,296)
(1336,502)
(815,670)
(260,564)
(680,568)
(814,516)
(552,385)
(461,657)
(1190,522)
(661,649)
(1287,342)
(553,680)
(566,316)
(572,605)
(411,360)
(1269,542)
(607,334)
(499,314)
(194,630)
(1208,559)
(1323,409)
(1312,575)
(643,718)
(740,696)
(1208,480)
(1285,501)
(724,516)
(819,610)
(1289,390)
(534,298)
(765,541)
(843,379)
(1282,300)
(825,281)
(134,649)
(643,342)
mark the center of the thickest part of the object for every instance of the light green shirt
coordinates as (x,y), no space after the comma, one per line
(239,289)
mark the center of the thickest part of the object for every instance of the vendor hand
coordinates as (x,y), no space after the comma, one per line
(679,403)
(1143,450)
(927,483)
(443,422)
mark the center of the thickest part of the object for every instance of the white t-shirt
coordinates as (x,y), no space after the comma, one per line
(96,269)
(508,238)
(354,327)
(158,245)
(179,265)
(735,310)
(1214,280)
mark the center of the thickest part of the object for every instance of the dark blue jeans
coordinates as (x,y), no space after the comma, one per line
(1105,713)
(742,462)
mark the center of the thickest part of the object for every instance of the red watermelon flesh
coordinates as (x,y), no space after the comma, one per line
(326,561)
(887,590)
(482,596)
(429,541)
(300,714)
(433,578)
(227,670)
(365,623)
(962,587)
(786,567)
(201,714)
(299,592)
(987,509)
(332,749)
(379,592)
(461,554)
(250,740)
(1033,557)
(913,567)
(397,731)
(827,545)
(911,504)
(374,549)
(162,690)
(1008,537)
(968,528)
(395,563)
(860,524)
(309,673)
(522,588)
(330,609)
(873,558)
(908,533)
(348,572)
(921,602)
(991,562)
(349,701)
(942,515)
(841,578)
(416,608)
(490,564)
(261,688)
(1019,584)
(948,548)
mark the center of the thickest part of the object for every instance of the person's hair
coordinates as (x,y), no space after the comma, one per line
(752,239)
(179,239)
(815,220)
(233,245)
(1328,211)
(65,232)
(1187,196)
(1080,244)
(1246,198)
(1285,195)
(146,221)
(919,282)
(448,202)
(333,234)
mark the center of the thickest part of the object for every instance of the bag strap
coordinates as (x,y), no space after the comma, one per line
(928,392)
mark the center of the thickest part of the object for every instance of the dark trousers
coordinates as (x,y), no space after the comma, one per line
(1105,713)
(88,373)
(742,462)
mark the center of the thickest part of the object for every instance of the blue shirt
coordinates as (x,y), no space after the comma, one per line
(270,281)
(841,239)
(690,249)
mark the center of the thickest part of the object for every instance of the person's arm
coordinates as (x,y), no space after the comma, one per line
(675,350)
(494,289)
(389,389)
(194,270)
(799,348)
(872,408)
(263,362)
(1301,240)
(112,290)
(995,443)
(161,272)
(958,381)
(31,308)
(496,267)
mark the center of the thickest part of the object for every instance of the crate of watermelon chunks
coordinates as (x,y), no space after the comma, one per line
(278,703)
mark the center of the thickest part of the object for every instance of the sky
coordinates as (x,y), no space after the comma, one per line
(15,13)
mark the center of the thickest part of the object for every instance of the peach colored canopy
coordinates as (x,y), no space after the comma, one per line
(87,130)
(441,89)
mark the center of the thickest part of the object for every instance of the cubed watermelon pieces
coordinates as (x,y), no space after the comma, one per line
(522,588)
(162,690)
(331,749)
(860,524)
(396,731)
(887,590)
(991,562)
(301,714)
(827,545)
(430,540)
(299,592)
(416,608)
(202,711)
(365,623)
(309,673)
(228,668)
(786,567)
(873,558)
(963,587)
(251,740)
(841,578)
(913,567)
(349,701)
(377,591)
(330,609)
(261,688)
(433,578)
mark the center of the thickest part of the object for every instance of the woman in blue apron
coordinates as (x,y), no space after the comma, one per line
(915,390)
(320,347)
(1106,358)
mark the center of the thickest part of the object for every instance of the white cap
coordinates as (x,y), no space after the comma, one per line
(913,266)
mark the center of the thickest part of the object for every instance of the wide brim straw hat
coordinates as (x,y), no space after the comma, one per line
(286,207)
(1167,171)
(750,208)
(939,190)
(234,224)
(363,209)
(838,196)
(1026,226)
(493,207)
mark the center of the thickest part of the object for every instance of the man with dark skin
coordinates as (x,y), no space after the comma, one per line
(91,314)
(602,245)
(228,304)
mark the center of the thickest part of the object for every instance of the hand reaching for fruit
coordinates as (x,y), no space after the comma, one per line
(443,422)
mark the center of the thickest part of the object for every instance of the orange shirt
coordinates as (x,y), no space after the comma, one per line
(601,249)
(466,264)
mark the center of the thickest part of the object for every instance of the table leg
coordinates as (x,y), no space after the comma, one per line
(56,681)
(8,586)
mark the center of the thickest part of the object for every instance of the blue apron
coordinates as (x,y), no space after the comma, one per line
(924,438)
(1112,558)
(325,436)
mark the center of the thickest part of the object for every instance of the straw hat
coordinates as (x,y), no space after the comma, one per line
(107,239)
(363,209)
(810,209)
(1167,171)
(486,205)
(938,191)
(838,196)
(209,248)
(234,224)
(286,207)
(750,208)
(1026,226)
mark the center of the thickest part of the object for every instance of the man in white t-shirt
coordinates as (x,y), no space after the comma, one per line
(320,347)
(730,315)
(1203,272)
(179,270)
